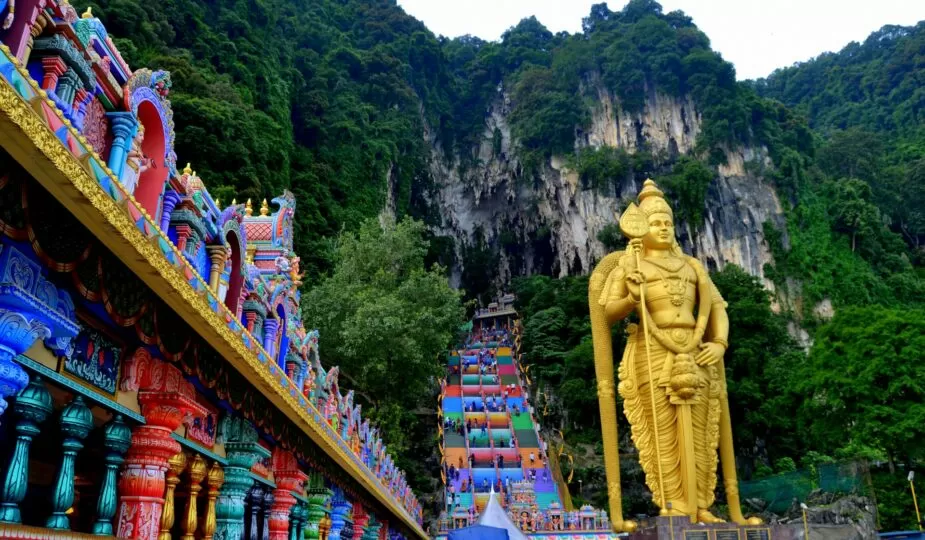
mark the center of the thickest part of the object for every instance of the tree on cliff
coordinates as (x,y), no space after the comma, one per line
(387,320)
(863,383)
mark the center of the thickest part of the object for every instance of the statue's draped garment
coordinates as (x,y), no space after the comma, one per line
(679,284)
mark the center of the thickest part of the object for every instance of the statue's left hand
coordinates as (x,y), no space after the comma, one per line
(710,353)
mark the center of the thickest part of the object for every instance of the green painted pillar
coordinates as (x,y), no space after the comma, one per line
(318,497)
(241,451)
(295,520)
(372,529)
(32,406)
(76,422)
(117,437)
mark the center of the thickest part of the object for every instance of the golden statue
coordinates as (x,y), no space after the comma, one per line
(679,421)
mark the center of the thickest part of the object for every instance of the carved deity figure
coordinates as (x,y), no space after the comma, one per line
(671,376)
(137,162)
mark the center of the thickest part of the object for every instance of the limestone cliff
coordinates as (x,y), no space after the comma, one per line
(554,221)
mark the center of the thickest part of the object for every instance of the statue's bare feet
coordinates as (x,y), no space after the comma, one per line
(704,516)
(627,525)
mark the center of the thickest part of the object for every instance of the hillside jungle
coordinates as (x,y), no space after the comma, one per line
(330,99)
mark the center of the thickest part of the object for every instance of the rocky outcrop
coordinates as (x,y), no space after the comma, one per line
(547,222)
(831,516)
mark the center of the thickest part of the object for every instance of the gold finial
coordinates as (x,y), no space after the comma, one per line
(87,14)
(264,208)
(218,204)
(195,174)
(248,208)
(234,202)
(216,475)
(187,170)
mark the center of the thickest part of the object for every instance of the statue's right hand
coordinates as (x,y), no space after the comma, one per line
(635,245)
(634,281)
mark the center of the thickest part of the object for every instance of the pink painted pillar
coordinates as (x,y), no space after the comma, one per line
(19,35)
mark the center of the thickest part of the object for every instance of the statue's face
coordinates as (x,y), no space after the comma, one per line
(661,232)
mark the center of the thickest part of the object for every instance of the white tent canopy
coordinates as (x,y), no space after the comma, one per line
(495,516)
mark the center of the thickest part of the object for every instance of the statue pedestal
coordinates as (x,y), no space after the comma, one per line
(681,528)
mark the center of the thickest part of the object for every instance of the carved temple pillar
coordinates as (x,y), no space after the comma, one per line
(54,67)
(32,406)
(124,125)
(360,519)
(324,527)
(288,478)
(196,473)
(31,308)
(214,481)
(217,256)
(318,497)
(165,398)
(295,521)
(171,198)
(116,439)
(242,451)
(270,327)
(268,500)
(184,233)
(76,422)
(339,510)
(67,89)
(372,530)
(176,465)
(254,510)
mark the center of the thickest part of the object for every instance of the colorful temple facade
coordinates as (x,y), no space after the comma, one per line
(492,443)
(156,379)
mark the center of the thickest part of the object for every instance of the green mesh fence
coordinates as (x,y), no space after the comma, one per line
(779,491)
(847,477)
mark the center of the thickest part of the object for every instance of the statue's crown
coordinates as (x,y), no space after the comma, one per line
(652,200)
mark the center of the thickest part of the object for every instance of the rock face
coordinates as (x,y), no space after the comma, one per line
(547,222)
(833,517)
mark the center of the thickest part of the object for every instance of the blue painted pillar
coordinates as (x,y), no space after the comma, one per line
(270,327)
(340,509)
(31,309)
(124,125)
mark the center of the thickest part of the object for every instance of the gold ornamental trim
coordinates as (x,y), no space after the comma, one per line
(30,141)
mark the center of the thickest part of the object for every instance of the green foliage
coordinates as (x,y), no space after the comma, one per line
(687,187)
(612,237)
(322,98)
(557,331)
(895,509)
(759,363)
(876,85)
(546,113)
(384,318)
(868,99)
(863,381)
(603,168)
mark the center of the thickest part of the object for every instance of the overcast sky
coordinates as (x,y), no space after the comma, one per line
(755,35)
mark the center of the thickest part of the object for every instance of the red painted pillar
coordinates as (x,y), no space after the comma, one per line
(183,234)
(360,520)
(166,398)
(288,478)
(54,67)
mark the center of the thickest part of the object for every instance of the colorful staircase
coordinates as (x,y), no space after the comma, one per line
(496,448)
